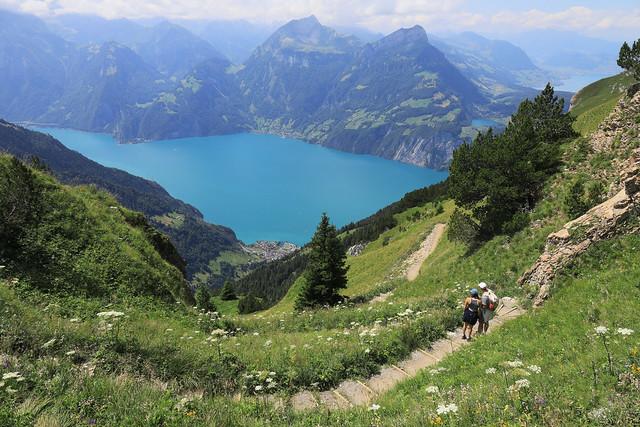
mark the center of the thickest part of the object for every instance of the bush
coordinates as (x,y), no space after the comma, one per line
(203,298)
(574,204)
(462,228)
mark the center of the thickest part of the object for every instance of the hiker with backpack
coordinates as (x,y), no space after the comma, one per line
(488,306)
(471,313)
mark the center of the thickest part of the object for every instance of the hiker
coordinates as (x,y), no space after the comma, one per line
(471,313)
(488,305)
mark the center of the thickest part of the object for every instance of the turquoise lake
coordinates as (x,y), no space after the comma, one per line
(262,186)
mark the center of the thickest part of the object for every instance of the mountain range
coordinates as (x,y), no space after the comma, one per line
(403,96)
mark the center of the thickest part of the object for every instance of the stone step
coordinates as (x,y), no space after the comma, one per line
(303,400)
(355,392)
(333,400)
(386,379)
(416,361)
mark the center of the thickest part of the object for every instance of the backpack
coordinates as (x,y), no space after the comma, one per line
(494,301)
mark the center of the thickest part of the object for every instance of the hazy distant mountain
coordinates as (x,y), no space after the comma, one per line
(90,29)
(207,101)
(32,66)
(102,83)
(569,51)
(173,50)
(291,73)
(235,39)
(492,64)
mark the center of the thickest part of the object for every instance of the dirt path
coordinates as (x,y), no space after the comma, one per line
(352,393)
(428,245)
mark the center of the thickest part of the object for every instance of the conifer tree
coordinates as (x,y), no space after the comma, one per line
(629,58)
(203,298)
(228,292)
(499,177)
(326,271)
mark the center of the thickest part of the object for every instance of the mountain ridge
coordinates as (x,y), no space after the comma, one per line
(289,86)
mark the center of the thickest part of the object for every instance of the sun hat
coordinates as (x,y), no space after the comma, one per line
(482,285)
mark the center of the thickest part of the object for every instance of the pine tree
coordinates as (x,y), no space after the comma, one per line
(249,304)
(629,58)
(326,271)
(203,298)
(228,292)
(499,177)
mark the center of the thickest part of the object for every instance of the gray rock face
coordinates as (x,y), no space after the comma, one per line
(355,250)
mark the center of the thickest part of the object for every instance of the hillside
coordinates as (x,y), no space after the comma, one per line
(199,243)
(78,242)
(594,103)
(571,361)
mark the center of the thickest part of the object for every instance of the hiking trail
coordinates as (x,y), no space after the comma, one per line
(429,244)
(351,393)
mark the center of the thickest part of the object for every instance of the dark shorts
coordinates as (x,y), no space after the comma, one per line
(470,317)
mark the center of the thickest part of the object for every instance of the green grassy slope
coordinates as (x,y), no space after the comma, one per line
(595,102)
(80,241)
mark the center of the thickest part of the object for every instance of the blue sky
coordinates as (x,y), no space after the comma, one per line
(611,19)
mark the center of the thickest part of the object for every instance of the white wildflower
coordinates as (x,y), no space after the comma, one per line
(258,388)
(272,374)
(70,353)
(514,363)
(110,314)
(625,331)
(601,330)
(367,351)
(598,414)
(11,375)
(74,320)
(267,343)
(433,389)
(490,371)
(519,385)
(534,368)
(447,409)
(374,407)
(49,343)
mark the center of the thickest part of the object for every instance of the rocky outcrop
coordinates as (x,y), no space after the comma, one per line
(355,250)
(601,222)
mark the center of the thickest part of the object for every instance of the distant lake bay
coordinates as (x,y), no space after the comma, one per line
(262,186)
